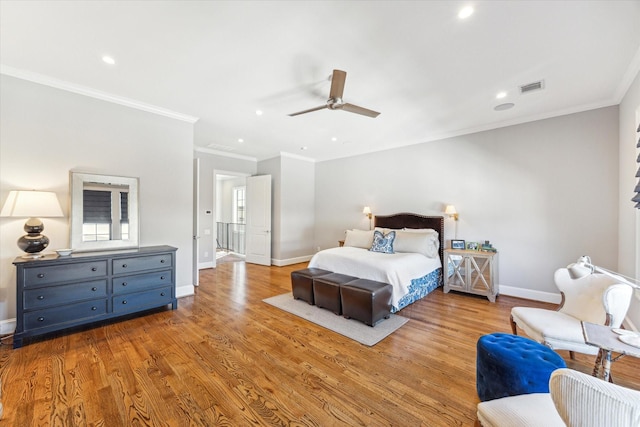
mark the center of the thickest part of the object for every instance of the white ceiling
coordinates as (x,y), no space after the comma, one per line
(430,74)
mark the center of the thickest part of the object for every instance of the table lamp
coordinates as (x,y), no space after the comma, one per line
(32,205)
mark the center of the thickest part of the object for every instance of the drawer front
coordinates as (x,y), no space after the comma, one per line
(139,282)
(64,294)
(66,313)
(142,263)
(139,300)
(36,276)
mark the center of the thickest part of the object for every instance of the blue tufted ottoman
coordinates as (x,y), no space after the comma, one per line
(509,365)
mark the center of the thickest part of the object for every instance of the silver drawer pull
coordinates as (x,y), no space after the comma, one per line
(161,261)
(40,319)
(94,269)
(161,277)
(124,302)
(94,289)
(40,275)
(40,297)
(124,283)
(162,294)
(124,265)
(94,308)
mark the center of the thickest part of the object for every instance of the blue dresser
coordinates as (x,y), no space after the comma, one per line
(56,293)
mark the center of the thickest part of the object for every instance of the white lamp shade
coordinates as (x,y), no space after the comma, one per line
(31,204)
(450,210)
(366,210)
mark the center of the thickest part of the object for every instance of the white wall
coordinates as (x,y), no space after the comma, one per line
(543,193)
(629,234)
(46,132)
(293,215)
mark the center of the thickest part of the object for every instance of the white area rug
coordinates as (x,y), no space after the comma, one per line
(350,328)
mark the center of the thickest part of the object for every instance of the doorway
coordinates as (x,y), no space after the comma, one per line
(229,216)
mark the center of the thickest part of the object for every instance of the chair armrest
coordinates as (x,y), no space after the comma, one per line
(583,400)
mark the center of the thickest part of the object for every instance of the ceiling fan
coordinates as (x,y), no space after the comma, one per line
(335,101)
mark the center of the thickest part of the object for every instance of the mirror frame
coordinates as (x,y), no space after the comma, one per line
(77,181)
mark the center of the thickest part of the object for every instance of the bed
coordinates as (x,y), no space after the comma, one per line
(413,274)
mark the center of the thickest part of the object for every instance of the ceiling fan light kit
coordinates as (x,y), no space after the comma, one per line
(335,101)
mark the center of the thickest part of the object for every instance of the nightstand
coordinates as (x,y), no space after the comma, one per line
(474,272)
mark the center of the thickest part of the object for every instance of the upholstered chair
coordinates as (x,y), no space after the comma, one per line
(574,399)
(596,298)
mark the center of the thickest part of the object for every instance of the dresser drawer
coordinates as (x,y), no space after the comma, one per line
(45,275)
(139,282)
(64,294)
(136,300)
(64,314)
(142,263)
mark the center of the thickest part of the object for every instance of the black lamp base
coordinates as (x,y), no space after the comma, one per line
(33,242)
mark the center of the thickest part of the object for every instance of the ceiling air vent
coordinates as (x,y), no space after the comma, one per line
(531,87)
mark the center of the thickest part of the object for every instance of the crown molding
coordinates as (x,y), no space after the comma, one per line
(224,154)
(93,93)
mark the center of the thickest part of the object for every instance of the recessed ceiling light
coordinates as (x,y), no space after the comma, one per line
(258,112)
(304,148)
(504,106)
(501,95)
(240,140)
(334,139)
(465,12)
(108,60)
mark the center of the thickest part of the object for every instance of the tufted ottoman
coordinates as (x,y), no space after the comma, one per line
(509,365)
(366,300)
(326,290)
(302,283)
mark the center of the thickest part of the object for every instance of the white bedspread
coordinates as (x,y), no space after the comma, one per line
(397,269)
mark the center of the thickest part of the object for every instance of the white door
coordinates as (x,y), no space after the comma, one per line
(258,237)
(196,221)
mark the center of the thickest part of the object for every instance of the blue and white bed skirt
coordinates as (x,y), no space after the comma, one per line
(420,288)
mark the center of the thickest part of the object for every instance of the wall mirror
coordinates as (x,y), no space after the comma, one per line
(104,212)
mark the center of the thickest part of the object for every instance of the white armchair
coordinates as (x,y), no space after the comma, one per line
(574,399)
(596,298)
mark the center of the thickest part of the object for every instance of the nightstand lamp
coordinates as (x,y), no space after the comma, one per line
(32,205)
(367,212)
(451,211)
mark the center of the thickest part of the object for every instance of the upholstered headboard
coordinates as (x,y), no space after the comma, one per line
(410,220)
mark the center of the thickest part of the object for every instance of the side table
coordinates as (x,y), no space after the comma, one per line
(604,337)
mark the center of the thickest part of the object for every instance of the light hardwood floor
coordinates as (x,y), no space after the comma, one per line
(226,358)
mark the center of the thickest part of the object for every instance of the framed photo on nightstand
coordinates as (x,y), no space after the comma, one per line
(457,244)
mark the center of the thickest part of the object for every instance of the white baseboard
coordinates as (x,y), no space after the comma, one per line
(530,294)
(7,326)
(205,265)
(283,262)
(185,291)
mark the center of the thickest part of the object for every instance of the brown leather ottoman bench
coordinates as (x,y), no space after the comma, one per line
(302,283)
(366,300)
(326,290)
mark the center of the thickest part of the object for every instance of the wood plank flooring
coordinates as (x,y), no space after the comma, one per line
(226,358)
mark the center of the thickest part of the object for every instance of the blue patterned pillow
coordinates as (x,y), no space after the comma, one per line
(383,243)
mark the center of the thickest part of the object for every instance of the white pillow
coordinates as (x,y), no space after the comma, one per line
(359,238)
(424,242)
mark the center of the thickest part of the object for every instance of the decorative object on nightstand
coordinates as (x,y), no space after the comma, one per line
(457,244)
(32,205)
(368,214)
(474,272)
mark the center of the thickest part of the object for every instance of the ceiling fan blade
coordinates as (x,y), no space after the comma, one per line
(360,110)
(308,111)
(337,84)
